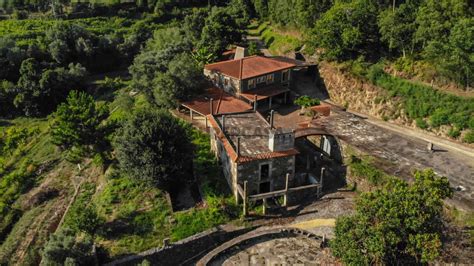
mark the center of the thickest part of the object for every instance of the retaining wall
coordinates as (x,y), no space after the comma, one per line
(186,251)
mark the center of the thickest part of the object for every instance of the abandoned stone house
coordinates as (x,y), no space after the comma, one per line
(259,79)
(251,150)
(259,160)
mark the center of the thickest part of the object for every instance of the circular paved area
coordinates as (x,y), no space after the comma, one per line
(281,251)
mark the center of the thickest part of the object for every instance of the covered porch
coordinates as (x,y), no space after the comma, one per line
(265,98)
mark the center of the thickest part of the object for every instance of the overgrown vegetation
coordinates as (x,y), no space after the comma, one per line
(399,222)
(364,167)
(277,42)
(427,106)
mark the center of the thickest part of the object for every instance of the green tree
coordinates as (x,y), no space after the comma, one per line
(40,90)
(398,27)
(454,58)
(220,31)
(153,146)
(348,30)
(401,222)
(183,80)
(435,18)
(194,23)
(7,94)
(11,57)
(64,248)
(155,58)
(77,121)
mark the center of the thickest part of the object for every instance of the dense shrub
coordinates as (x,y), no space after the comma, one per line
(401,222)
(306,101)
(469,137)
(421,123)
(153,146)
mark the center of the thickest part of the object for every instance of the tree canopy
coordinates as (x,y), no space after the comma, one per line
(154,147)
(77,121)
(400,222)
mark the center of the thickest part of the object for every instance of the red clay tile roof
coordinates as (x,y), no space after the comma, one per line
(263,93)
(244,159)
(222,103)
(248,67)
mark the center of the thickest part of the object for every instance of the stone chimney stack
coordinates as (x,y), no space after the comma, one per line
(240,52)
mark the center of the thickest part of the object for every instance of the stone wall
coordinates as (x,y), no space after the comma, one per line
(250,172)
(186,251)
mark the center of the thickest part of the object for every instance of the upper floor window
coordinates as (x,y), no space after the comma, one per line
(261,79)
(270,78)
(251,84)
(285,75)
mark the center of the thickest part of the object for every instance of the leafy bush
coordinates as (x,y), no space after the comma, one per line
(454,132)
(401,222)
(306,101)
(85,219)
(469,137)
(65,248)
(421,123)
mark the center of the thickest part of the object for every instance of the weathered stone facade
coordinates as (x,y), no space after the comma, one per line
(263,159)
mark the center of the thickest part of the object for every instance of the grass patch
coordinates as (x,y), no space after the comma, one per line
(365,168)
(275,40)
(139,216)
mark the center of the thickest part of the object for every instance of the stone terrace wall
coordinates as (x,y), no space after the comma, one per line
(186,251)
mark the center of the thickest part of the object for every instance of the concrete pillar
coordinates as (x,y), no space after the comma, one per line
(191,114)
(285,197)
(206,122)
(264,206)
(245,199)
(430,146)
(321,180)
(322,176)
